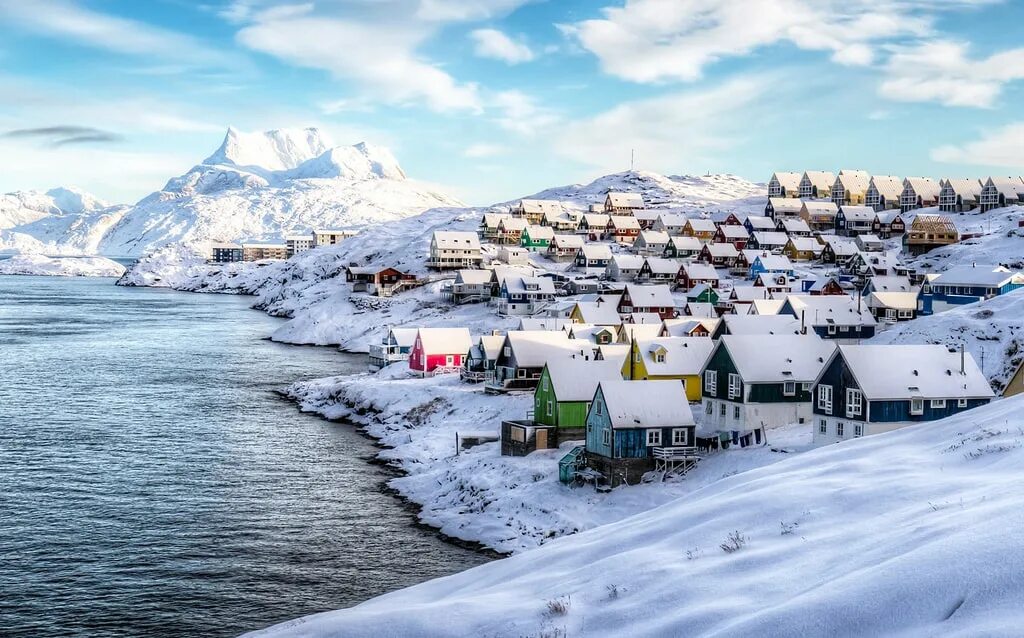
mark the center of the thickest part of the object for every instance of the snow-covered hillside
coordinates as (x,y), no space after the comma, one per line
(65,221)
(310,289)
(255,186)
(31,264)
(994,237)
(907,533)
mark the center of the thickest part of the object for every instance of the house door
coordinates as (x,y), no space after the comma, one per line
(542,439)
(890,314)
(449,360)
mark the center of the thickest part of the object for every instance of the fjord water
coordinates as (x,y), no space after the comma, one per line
(152,482)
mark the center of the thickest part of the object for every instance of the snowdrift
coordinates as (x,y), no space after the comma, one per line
(915,532)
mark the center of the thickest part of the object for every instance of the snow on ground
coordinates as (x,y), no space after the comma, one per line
(913,532)
(506,503)
(32,264)
(1000,240)
(991,330)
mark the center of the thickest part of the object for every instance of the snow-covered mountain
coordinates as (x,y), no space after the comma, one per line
(908,533)
(60,221)
(254,186)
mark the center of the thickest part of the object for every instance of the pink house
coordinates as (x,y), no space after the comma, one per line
(439,350)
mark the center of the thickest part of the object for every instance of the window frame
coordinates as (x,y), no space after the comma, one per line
(653,437)
(822,426)
(711,381)
(937,404)
(685,436)
(854,402)
(961,403)
(840,428)
(606,437)
(735,389)
(785,388)
(825,396)
(919,410)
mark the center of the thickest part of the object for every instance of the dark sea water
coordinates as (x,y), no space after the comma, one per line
(152,483)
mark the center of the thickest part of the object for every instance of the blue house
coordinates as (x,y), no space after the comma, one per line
(771,264)
(967,284)
(865,390)
(839,317)
(634,427)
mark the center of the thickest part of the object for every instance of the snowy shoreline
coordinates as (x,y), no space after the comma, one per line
(41,265)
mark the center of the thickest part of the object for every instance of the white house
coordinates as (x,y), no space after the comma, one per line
(450,249)
(623,202)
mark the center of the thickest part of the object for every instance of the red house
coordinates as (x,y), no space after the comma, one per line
(439,350)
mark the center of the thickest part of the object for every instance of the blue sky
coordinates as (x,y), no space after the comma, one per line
(493,99)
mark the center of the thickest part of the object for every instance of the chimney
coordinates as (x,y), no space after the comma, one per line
(803,323)
(963,357)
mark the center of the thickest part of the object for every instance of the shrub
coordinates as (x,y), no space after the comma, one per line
(734,542)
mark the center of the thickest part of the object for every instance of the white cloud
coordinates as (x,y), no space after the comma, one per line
(491,43)
(1001,147)
(669,133)
(520,113)
(942,72)
(674,40)
(463,10)
(478,151)
(67,20)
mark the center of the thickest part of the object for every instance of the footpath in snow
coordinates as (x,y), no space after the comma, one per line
(913,532)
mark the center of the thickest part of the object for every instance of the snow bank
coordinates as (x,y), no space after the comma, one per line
(506,503)
(913,532)
(61,266)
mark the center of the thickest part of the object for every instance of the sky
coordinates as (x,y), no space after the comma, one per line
(495,99)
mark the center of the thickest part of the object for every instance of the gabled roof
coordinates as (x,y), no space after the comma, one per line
(544,285)
(683,355)
(825,310)
(653,237)
(1008,186)
(540,206)
(672,220)
(567,241)
(646,215)
(900,372)
(732,231)
(771,238)
(596,251)
(761,324)
(404,337)
(761,358)
(889,186)
(794,225)
(630,331)
(722,250)
(656,296)
(544,323)
(775,262)
(700,271)
(747,294)
(453,239)
(891,283)
(467,276)
(924,187)
(513,223)
(491,220)
(868,239)
(535,348)
(540,232)
(624,222)
(644,318)
(760,222)
(961,186)
(626,200)
(767,306)
(896,300)
(854,181)
(786,204)
(685,243)
(642,404)
(858,213)
(806,244)
(628,262)
(821,179)
(977,275)
(490,346)
(602,313)
(820,207)
(683,326)
(701,225)
(596,220)
(445,340)
(662,266)
(789,180)
(577,379)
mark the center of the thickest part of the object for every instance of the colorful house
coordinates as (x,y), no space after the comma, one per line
(784,184)
(439,350)
(816,184)
(884,192)
(671,359)
(864,390)
(536,238)
(634,427)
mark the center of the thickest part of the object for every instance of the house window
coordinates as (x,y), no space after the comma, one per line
(597,408)
(721,409)
(736,412)
(961,403)
(680,436)
(789,388)
(831,329)
(711,381)
(545,384)
(805,387)
(854,402)
(606,437)
(550,408)
(508,351)
(839,429)
(636,357)
(709,407)
(938,404)
(858,430)
(653,437)
(917,406)
(660,357)
(825,398)
(823,426)
(734,385)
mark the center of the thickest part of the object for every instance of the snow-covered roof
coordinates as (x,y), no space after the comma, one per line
(794,225)
(662,266)
(543,323)
(806,244)
(596,251)
(700,271)
(760,222)
(761,324)
(771,238)
(747,294)
(596,220)
(790,180)
(646,215)
(490,346)
(774,262)
(445,340)
(491,220)
(643,404)
(891,283)
(639,318)
(924,187)
(1008,186)
(501,273)
(535,348)
(616,352)
(540,232)
(454,239)
(577,379)
(859,213)
(540,206)
(761,358)
(653,237)
(589,331)
(513,224)
(630,331)
(698,225)
(893,372)
(822,310)
(868,239)
(767,306)
(672,220)
(786,204)
(683,326)
(404,337)
(626,200)
(854,181)
(841,246)
(722,250)
(467,276)
(732,231)
(567,241)
(534,285)
(963,186)
(628,262)
(685,243)
(624,222)
(889,186)
(820,207)
(656,296)
(897,300)
(602,313)
(683,355)
(977,275)
(821,179)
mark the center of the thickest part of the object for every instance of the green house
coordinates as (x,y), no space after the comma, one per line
(567,387)
(703,293)
(536,238)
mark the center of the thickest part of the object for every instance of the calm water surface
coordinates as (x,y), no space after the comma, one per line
(152,483)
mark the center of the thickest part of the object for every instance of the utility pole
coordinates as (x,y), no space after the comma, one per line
(632,159)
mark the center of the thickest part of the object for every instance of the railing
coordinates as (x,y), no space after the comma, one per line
(444,370)
(675,453)
(475,376)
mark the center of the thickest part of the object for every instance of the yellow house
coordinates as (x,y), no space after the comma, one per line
(669,359)
(1016,383)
